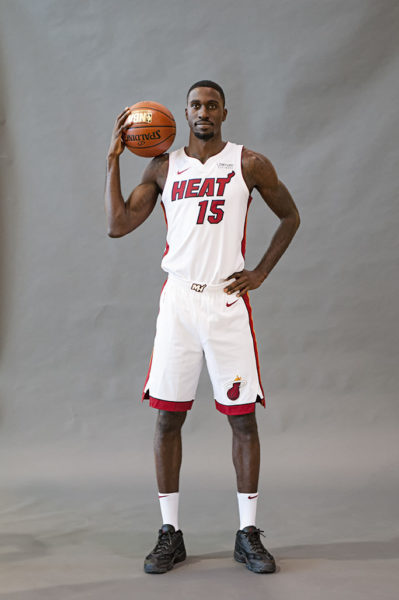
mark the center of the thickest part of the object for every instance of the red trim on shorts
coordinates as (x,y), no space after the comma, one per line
(145,395)
(244,237)
(172,406)
(235,409)
(245,297)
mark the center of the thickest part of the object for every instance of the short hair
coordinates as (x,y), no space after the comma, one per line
(207,83)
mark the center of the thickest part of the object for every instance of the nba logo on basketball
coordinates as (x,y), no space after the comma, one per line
(141,117)
(233,391)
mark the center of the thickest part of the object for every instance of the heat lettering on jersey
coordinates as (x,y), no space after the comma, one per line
(223,181)
(196,188)
(207,188)
(192,188)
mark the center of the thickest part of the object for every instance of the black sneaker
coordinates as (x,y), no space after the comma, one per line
(168,551)
(250,550)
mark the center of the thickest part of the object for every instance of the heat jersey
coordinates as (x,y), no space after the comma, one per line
(205,208)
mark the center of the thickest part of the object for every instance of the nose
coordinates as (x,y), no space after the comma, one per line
(203,112)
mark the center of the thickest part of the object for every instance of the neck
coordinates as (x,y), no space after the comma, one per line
(204,149)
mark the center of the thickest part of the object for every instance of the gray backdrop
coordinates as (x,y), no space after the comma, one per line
(313,85)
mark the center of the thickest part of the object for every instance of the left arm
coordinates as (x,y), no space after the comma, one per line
(259,173)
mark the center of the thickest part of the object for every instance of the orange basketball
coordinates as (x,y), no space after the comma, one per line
(151,130)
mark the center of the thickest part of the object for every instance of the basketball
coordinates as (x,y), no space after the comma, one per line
(151,129)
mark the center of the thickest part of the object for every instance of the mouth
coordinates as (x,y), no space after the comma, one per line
(203,123)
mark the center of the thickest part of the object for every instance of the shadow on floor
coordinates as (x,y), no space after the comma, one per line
(19,546)
(335,551)
(343,550)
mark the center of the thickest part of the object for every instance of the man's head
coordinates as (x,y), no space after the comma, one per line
(205,109)
(209,84)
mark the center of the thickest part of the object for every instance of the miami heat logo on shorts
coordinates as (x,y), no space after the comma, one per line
(234,388)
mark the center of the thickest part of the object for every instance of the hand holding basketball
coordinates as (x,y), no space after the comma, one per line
(117,145)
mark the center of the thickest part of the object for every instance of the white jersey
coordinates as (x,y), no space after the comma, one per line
(205,209)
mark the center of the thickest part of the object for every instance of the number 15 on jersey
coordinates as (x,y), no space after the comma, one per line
(215,213)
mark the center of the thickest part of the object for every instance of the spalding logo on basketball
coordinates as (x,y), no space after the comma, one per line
(233,391)
(151,131)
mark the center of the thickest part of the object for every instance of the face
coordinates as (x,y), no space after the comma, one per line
(205,112)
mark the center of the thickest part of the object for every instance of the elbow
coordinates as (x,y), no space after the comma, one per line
(294,220)
(113,232)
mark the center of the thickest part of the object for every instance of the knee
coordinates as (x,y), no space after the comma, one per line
(170,422)
(244,426)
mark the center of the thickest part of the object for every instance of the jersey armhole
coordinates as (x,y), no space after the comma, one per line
(241,173)
(170,169)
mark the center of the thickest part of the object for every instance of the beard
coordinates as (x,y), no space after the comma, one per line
(203,136)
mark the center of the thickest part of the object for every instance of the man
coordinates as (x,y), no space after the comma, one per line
(204,305)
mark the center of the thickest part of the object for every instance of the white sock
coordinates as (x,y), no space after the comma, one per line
(247,508)
(169,508)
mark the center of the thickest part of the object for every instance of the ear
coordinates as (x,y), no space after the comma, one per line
(224,114)
(185,111)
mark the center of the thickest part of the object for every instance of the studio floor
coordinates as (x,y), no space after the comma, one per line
(333,533)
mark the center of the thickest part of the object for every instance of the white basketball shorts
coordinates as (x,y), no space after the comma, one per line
(194,321)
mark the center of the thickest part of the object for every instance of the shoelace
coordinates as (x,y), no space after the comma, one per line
(164,541)
(255,541)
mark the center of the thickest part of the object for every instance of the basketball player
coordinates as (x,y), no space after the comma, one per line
(204,306)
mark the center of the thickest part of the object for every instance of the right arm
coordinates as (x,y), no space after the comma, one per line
(123,217)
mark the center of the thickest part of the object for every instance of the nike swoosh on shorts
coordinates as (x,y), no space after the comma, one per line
(227,304)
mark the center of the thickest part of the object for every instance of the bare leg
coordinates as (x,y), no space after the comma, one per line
(246,451)
(168,449)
